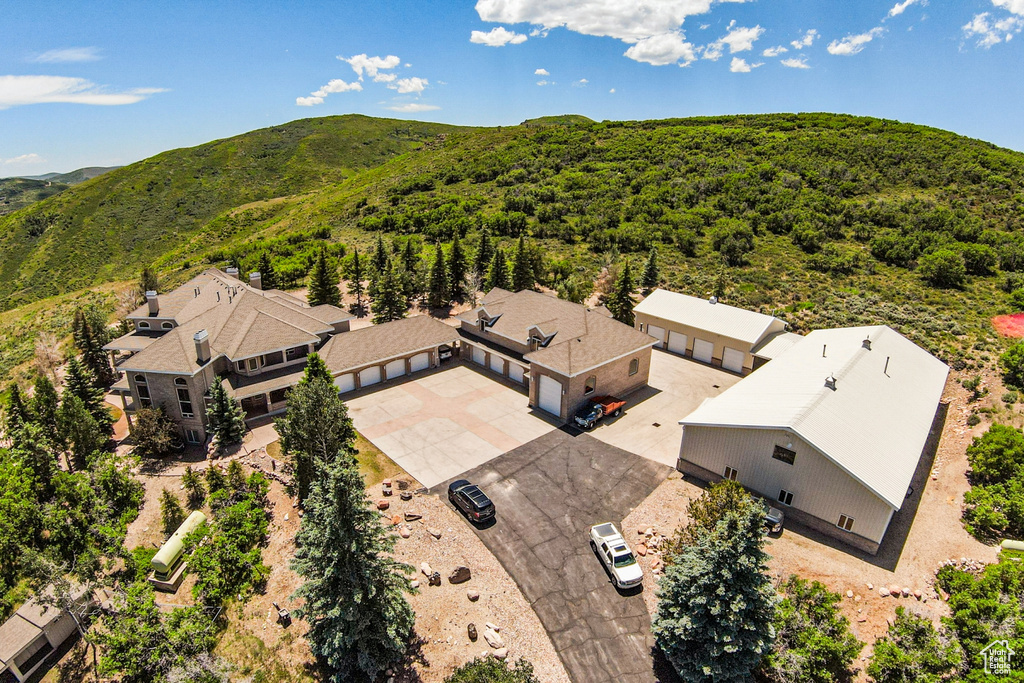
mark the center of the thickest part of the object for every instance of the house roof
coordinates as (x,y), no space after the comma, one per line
(241,386)
(775,344)
(873,425)
(241,321)
(718,318)
(579,339)
(27,623)
(379,343)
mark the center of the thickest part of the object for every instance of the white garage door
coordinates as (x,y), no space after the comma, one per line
(516,372)
(421,361)
(479,357)
(677,343)
(345,382)
(657,332)
(702,350)
(369,376)
(395,368)
(732,359)
(498,364)
(549,395)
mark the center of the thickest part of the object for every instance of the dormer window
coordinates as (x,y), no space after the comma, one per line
(166,325)
(142,325)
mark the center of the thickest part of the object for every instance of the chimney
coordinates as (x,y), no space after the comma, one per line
(232,271)
(255,280)
(202,340)
(867,343)
(830,382)
(154,302)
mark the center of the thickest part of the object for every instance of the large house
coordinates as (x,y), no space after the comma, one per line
(831,430)
(564,352)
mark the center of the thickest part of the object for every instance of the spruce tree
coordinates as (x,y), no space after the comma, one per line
(215,479)
(316,369)
(80,431)
(355,282)
(89,331)
(46,406)
(651,276)
(172,514)
(323,282)
(522,269)
(17,412)
(484,254)
(79,381)
(716,603)
(457,270)
(194,488)
(268,276)
(497,275)
(390,303)
(148,281)
(380,255)
(227,420)
(353,589)
(437,295)
(621,301)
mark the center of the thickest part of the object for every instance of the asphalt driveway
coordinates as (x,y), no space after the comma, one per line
(548,493)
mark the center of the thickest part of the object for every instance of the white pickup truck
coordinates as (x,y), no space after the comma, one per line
(611,547)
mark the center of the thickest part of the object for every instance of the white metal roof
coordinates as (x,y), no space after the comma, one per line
(718,318)
(873,425)
(773,346)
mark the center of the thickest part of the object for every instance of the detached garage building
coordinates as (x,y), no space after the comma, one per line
(705,330)
(831,430)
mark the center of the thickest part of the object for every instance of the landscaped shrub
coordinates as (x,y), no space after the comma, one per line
(943,268)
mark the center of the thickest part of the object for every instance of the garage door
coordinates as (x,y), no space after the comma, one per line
(516,372)
(677,343)
(658,332)
(369,376)
(732,359)
(479,357)
(421,361)
(549,395)
(395,368)
(498,364)
(345,382)
(702,350)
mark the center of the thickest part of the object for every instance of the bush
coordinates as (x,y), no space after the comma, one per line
(914,652)
(995,503)
(492,670)
(1012,363)
(154,433)
(1010,397)
(943,268)
(733,239)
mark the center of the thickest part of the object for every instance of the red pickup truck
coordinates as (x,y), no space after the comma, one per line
(595,409)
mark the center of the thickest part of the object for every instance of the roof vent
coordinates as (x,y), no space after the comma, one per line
(830,382)
(713,300)
(867,343)
(256,280)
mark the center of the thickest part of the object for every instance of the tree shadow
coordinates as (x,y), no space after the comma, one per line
(404,670)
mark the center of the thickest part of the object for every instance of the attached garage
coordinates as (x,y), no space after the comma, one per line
(421,361)
(497,364)
(345,383)
(369,376)
(395,368)
(732,360)
(677,343)
(549,395)
(703,350)
(479,356)
(657,332)
(516,372)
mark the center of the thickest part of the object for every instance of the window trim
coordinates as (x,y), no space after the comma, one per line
(184,404)
(634,366)
(589,388)
(735,473)
(166,326)
(845,523)
(192,436)
(142,389)
(142,324)
(783,454)
(786,497)
(252,364)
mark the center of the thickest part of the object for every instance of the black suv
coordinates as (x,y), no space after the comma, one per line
(473,502)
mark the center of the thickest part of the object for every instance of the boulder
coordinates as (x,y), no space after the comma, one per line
(411,516)
(396,520)
(849,594)
(917,594)
(405,495)
(871,586)
(435,579)
(472,632)
(404,531)
(500,653)
(906,592)
(425,568)
(493,627)
(641,550)
(460,574)
(383,505)
(472,595)
(414,583)
(894,591)
(433,531)
(493,639)
(883,591)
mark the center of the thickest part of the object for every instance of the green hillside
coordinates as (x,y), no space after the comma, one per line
(17,193)
(73,177)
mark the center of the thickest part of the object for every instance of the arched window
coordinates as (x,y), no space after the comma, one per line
(166,326)
(590,386)
(634,366)
(142,325)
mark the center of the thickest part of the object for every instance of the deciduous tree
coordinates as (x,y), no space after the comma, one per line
(912,651)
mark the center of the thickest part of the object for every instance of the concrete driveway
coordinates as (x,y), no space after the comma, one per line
(650,424)
(547,494)
(439,424)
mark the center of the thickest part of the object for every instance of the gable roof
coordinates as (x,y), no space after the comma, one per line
(718,318)
(873,425)
(380,343)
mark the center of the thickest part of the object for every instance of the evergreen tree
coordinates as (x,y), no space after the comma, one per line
(355,282)
(316,369)
(411,276)
(89,331)
(215,480)
(437,296)
(457,270)
(323,282)
(82,434)
(354,591)
(46,408)
(268,276)
(621,301)
(390,303)
(79,381)
(651,275)
(227,420)
(148,281)
(497,276)
(17,412)
(172,514)
(194,488)
(522,268)
(716,603)
(484,254)
(380,255)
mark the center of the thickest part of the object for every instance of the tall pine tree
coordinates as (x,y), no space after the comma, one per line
(227,420)
(353,590)
(46,406)
(457,270)
(380,255)
(411,282)
(390,303)
(323,282)
(522,268)
(437,294)
(89,331)
(148,281)
(17,413)
(621,301)
(497,275)
(484,254)
(356,274)
(651,276)
(79,381)
(268,276)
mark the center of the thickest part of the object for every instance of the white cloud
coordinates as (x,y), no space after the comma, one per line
(497,37)
(740,66)
(308,101)
(541,72)
(370,65)
(21,90)
(666,48)
(337,85)
(413,107)
(851,45)
(806,41)
(68,54)
(543,83)
(739,39)
(1013,6)
(582,83)
(32,158)
(384,78)
(774,51)
(794,63)
(990,31)
(612,91)
(901,7)
(409,85)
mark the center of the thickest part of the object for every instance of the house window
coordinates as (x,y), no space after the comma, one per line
(634,366)
(786,497)
(784,454)
(730,474)
(275,358)
(166,326)
(142,324)
(278,395)
(297,352)
(184,399)
(845,523)
(143,390)
(192,436)
(590,386)
(253,364)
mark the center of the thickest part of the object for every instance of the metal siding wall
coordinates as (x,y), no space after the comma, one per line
(819,487)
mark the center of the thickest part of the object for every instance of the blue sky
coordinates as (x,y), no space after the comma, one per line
(105,83)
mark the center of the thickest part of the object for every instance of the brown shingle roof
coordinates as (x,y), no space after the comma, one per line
(379,343)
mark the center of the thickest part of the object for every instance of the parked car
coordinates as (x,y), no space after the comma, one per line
(611,547)
(598,408)
(773,520)
(470,500)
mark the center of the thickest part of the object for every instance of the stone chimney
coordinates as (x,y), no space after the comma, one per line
(233,272)
(255,280)
(202,340)
(154,303)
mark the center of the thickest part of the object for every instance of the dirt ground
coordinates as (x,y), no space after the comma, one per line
(935,536)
